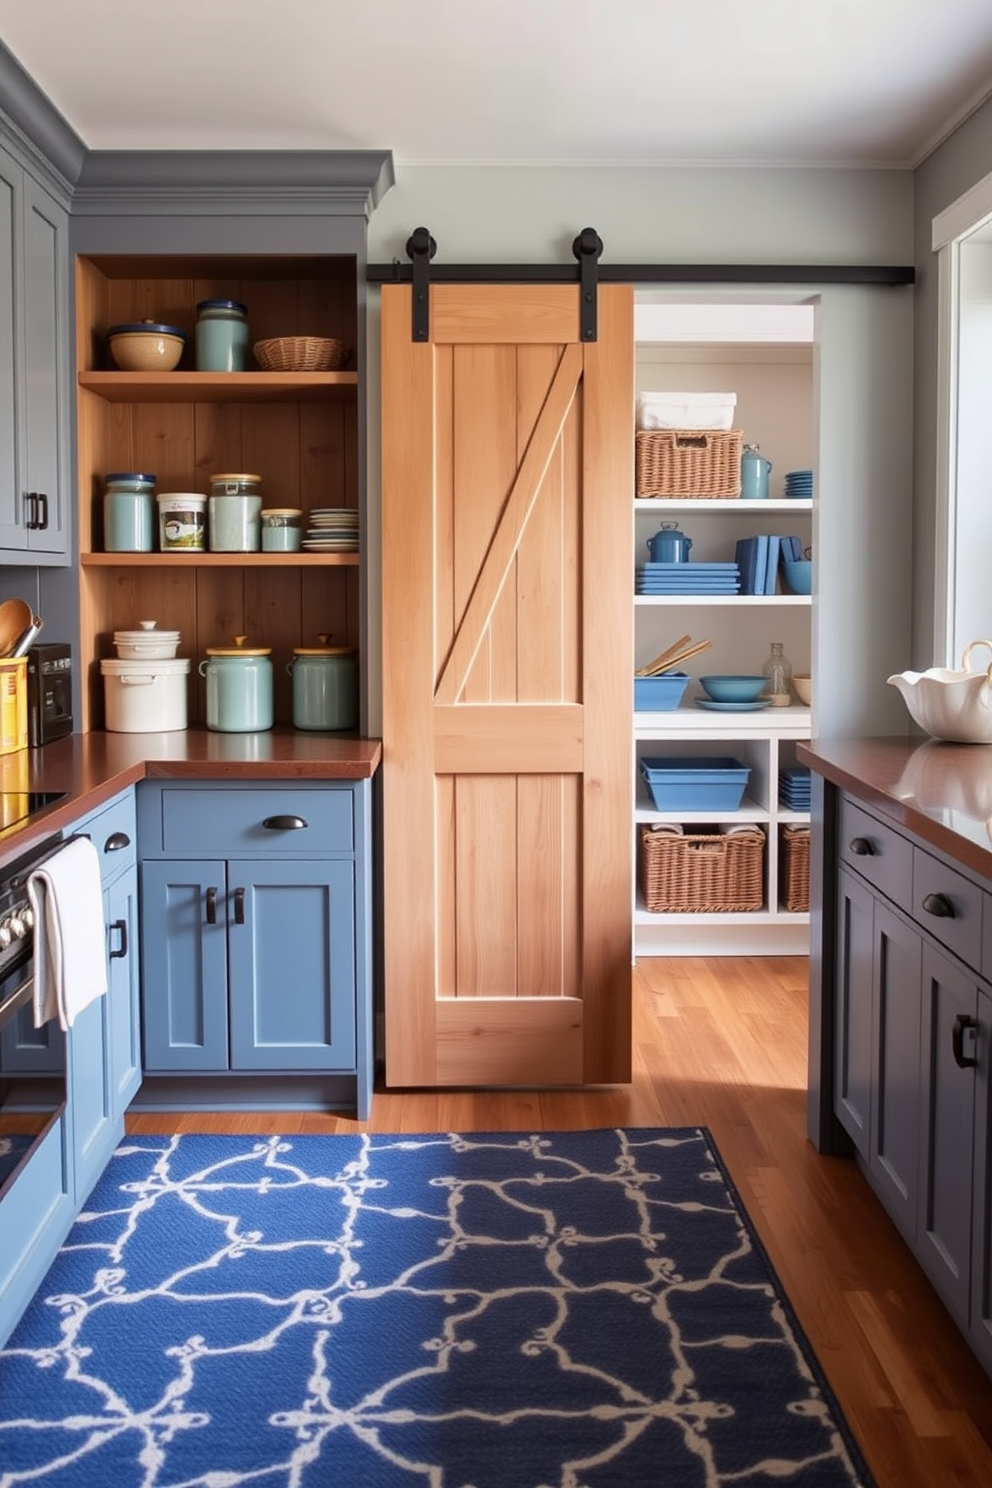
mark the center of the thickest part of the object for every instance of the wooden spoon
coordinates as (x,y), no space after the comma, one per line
(16,616)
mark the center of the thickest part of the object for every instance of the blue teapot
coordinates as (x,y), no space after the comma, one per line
(755,470)
(669,545)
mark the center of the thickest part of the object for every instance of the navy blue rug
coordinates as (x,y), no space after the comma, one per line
(583,1309)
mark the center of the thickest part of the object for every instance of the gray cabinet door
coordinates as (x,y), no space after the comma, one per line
(11,534)
(853,1032)
(980,1330)
(291,957)
(895,1108)
(45,400)
(183,965)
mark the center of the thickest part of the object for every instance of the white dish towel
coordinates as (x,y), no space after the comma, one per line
(70,959)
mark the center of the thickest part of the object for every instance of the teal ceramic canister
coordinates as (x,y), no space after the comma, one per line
(755,470)
(239,687)
(325,687)
(221,336)
(129,512)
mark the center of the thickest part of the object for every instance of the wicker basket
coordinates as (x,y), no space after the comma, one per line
(688,462)
(301,354)
(701,871)
(794,869)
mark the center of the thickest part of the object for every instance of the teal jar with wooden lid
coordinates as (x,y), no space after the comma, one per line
(325,687)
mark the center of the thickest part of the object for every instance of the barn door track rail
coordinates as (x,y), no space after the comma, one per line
(587,247)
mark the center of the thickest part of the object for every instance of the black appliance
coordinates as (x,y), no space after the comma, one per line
(49,693)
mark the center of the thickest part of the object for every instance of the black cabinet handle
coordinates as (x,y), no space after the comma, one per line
(41,510)
(285,823)
(862,848)
(239,906)
(31,510)
(116,841)
(962,1025)
(211,906)
(939,905)
(121,952)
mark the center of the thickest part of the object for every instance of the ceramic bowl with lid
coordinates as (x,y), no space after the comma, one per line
(146,346)
(147,643)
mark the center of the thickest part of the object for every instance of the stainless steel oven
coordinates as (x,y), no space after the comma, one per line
(32,1060)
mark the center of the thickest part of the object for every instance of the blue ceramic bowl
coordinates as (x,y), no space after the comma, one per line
(733,689)
(798,574)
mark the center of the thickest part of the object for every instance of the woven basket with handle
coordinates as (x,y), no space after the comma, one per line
(701,871)
(794,874)
(703,463)
(301,354)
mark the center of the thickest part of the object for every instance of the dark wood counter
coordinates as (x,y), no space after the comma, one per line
(91,768)
(942,793)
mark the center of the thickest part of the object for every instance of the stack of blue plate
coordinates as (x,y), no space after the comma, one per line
(799,484)
(688,578)
(794,788)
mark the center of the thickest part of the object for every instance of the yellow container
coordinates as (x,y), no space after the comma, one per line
(13,704)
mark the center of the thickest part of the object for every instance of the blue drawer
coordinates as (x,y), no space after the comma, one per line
(222,821)
(114,833)
(680,784)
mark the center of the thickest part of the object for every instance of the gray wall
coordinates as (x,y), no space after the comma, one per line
(962,160)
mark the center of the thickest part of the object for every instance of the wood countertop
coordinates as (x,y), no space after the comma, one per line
(942,793)
(92,768)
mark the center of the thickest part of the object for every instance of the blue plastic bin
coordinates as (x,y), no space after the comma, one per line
(680,784)
(659,694)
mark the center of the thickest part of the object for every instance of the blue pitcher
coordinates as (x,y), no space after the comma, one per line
(669,545)
(755,470)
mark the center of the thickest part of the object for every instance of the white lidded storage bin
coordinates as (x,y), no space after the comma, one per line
(145,697)
(686,410)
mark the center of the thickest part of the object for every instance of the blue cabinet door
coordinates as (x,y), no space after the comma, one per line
(91,1121)
(895,1112)
(183,965)
(291,952)
(124,1025)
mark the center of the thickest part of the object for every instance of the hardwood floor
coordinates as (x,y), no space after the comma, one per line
(721,1042)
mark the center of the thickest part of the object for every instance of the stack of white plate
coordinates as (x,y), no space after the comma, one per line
(147,643)
(332,529)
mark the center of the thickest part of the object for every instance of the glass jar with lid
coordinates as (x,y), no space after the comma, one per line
(282,529)
(128,512)
(221,336)
(233,513)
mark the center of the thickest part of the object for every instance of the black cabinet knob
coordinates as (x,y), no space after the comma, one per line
(285,823)
(862,848)
(116,841)
(939,905)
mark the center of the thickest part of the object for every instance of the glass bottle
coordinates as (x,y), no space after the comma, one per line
(777,672)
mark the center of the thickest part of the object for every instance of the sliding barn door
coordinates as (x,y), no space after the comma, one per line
(507,559)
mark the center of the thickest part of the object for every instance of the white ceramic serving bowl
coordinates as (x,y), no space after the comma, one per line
(803,688)
(146,346)
(949,705)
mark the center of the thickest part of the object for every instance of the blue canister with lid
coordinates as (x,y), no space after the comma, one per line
(129,512)
(239,687)
(221,336)
(325,686)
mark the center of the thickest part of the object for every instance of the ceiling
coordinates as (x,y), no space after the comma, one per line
(776,82)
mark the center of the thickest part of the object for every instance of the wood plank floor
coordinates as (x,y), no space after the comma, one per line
(721,1042)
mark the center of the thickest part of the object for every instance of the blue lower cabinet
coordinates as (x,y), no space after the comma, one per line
(184,965)
(123,993)
(37,1208)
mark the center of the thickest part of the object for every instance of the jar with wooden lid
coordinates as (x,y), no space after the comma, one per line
(234,513)
(325,686)
(239,687)
(282,529)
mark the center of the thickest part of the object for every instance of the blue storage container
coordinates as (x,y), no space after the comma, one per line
(659,694)
(680,784)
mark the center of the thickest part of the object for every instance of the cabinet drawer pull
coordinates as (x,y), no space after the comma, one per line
(862,848)
(963,1025)
(121,951)
(211,906)
(239,906)
(939,905)
(285,823)
(116,841)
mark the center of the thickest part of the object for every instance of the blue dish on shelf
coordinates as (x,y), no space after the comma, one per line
(733,688)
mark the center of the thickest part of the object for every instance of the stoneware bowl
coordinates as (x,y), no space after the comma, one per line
(798,574)
(146,346)
(803,689)
(733,689)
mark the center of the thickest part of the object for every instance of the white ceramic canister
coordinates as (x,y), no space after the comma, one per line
(239,687)
(182,521)
(145,697)
(147,643)
(234,513)
(325,686)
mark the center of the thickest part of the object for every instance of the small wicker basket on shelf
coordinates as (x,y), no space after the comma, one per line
(700,872)
(794,869)
(301,354)
(688,463)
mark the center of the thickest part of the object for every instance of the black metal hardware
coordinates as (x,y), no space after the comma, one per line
(421,248)
(116,841)
(939,905)
(893,276)
(41,521)
(588,249)
(285,823)
(239,906)
(862,848)
(121,952)
(31,510)
(211,906)
(962,1025)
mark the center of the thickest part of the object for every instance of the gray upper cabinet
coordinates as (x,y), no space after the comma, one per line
(35,394)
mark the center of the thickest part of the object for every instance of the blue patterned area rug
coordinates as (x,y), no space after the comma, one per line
(584,1309)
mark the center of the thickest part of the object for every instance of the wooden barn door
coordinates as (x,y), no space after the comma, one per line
(507,512)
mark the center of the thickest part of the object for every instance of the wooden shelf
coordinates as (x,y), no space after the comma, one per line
(220,560)
(222,387)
